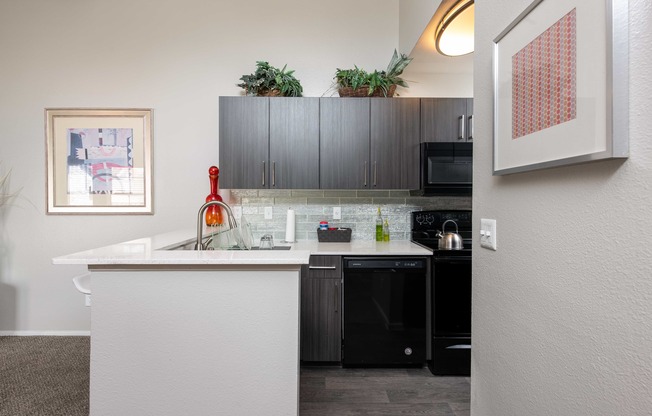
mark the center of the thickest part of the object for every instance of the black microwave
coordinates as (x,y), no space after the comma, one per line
(446,168)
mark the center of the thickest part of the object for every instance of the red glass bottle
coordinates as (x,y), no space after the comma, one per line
(214,213)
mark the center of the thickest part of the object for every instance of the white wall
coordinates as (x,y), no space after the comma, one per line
(174,56)
(414,16)
(430,74)
(562,315)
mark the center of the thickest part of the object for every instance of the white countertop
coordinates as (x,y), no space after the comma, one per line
(363,248)
(149,251)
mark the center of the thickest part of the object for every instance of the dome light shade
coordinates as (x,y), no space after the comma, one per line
(454,33)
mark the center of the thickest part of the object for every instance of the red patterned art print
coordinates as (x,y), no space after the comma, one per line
(544,79)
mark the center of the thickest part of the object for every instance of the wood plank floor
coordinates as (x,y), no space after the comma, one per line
(381,392)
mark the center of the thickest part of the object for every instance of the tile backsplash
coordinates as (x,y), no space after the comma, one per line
(359,209)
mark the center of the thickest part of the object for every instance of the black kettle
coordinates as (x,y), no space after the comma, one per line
(449,241)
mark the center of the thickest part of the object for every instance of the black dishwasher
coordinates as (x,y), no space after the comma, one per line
(384,311)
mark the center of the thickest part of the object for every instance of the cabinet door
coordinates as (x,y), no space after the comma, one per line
(443,119)
(321,321)
(395,143)
(244,142)
(294,143)
(344,143)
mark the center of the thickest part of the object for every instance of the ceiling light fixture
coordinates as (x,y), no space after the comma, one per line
(454,32)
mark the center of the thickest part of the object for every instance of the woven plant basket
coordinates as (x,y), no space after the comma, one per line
(364,92)
(269,93)
(266,93)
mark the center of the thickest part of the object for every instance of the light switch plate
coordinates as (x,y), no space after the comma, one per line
(268,213)
(337,213)
(488,233)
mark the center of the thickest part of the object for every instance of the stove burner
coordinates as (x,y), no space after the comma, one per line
(426,225)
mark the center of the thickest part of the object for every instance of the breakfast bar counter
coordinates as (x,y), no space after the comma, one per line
(178,332)
(215,332)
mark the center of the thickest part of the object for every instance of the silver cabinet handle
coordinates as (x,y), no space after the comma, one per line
(322,267)
(364,173)
(470,138)
(375,173)
(263,173)
(273,173)
(337,295)
(459,347)
(460,127)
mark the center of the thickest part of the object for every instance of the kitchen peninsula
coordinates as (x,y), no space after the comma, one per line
(200,332)
(192,332)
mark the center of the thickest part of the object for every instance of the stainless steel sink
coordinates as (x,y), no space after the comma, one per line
(190,245)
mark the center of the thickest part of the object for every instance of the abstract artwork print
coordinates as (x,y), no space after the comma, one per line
(100,162)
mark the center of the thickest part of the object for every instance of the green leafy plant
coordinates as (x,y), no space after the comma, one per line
(376,81)
(269,81)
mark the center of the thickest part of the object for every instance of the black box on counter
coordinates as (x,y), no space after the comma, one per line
(334,235)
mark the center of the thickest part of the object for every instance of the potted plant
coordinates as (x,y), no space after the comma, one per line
(269,81)
(357,82)
(5,197)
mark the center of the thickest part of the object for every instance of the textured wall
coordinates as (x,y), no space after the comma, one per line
(562,313)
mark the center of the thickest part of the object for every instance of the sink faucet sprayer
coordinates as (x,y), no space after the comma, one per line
(200,222)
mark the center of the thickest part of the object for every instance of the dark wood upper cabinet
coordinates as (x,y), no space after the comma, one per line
(294,143)
(269,143)
(344,143)
(333,143)
(244,142)
(395,130)
(446,119)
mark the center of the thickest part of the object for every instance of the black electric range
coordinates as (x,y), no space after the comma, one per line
(450,290)
(426,224)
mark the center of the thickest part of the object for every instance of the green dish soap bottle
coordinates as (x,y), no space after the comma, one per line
(386,231)
(379,226)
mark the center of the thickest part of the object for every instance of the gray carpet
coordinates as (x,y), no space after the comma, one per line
(44,376)
(48,376)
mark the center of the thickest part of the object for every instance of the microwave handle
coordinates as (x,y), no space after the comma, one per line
(460,127)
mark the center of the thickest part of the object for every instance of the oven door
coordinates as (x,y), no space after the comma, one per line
(446,168)
(451,316)
(451,296)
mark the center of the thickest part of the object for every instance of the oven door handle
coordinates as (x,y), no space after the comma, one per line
(459,347)
(453,260)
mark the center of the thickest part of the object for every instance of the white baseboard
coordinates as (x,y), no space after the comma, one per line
(46,333)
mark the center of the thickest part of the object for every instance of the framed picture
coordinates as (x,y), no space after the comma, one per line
(561,85)
(99,161)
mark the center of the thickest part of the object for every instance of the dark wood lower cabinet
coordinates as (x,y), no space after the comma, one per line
(321,305)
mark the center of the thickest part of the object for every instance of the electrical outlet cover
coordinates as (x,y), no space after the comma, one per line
(268,213)
(488,233)
(337,213)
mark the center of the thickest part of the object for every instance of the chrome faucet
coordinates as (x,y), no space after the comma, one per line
(200,222)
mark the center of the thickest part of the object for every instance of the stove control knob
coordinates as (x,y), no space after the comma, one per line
(408,351)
